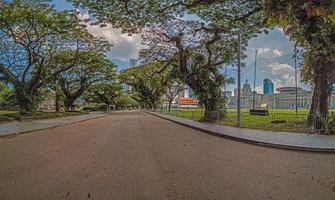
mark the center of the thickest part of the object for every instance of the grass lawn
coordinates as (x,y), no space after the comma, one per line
(37,115)
(293,122)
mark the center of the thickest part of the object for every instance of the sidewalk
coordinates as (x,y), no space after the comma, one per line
(296,141)
(28,126)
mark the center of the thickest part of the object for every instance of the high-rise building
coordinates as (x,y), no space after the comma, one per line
(268,87)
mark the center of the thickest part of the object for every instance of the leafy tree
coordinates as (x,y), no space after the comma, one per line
(196,52)
(89,68)
(77,49)
(147,85)
(105,93)
(311,24)
(124,101)
(31,31)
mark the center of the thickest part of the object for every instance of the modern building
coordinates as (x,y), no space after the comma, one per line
(268,87)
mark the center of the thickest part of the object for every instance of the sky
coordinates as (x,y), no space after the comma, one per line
(274,60)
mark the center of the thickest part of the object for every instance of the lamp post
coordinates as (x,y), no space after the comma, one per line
(296,78)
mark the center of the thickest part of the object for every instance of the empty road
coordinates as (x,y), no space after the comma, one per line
(137,156)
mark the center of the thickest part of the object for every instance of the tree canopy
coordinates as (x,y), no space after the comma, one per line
(31,32)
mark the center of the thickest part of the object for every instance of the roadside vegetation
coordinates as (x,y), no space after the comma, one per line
(289,120)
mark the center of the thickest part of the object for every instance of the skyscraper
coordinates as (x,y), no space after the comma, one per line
(268,87)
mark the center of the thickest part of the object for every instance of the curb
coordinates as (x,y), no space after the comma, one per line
(249,141)
(46,128)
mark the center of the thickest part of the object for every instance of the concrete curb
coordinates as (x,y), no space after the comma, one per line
(49,127)
(247,140)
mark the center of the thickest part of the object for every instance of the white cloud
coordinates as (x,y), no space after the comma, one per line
(124,46)
(263,50)
(285,74)
(281,68)
(277,52)
(269,53)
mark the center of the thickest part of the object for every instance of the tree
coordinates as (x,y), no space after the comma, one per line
(124,101)
(147,85)
(31,31)
(105,93)
(89,68)
(77,49)
(311,24)
(196,52)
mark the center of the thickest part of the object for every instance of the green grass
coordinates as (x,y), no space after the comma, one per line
(294,122)
(36,115)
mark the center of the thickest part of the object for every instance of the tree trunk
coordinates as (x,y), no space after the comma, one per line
(57,102)
(24,99)
(320,99)
(68,103)
(169,106)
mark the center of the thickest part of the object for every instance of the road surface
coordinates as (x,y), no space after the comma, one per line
(137,156)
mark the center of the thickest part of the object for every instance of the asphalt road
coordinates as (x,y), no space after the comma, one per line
(138,156)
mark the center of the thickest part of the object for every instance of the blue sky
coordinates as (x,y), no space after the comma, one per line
(274,60)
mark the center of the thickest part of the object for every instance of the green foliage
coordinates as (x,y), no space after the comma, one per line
(125,101)
(7,99)
(103,93)
(147,84)
(31,31)
(89,68)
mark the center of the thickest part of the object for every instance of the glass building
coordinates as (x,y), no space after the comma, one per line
(268,87)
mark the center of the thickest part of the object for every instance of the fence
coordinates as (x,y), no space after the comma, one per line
(287,122)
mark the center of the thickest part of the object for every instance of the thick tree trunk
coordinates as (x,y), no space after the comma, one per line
(323,82)
(69,104)
(24,99)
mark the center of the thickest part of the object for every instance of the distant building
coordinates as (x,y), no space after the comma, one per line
(284,99)
(268,87)
(246,101)
(246,89)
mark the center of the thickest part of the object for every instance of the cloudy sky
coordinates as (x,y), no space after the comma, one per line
(274,60)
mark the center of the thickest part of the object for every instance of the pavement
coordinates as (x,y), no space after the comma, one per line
(296,141)
(17,127)
(137,156)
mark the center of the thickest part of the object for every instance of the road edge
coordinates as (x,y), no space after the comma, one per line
(244,140)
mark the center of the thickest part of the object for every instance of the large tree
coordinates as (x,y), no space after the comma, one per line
(147,86)
(77,49)
(196,52)
(105,93)
(311,24)
(89,68)
(31,32)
